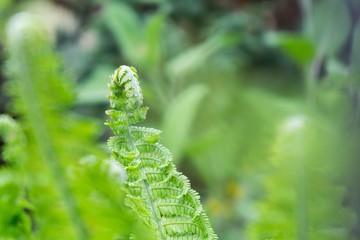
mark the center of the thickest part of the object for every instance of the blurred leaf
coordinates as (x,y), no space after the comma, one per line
(150,1)
(355,50)
(125,25)
(196,57)
(94,89)
(336,68)
(297,47)
(4,4)
(179,119)
(6,8)
(187,8)
(330,26)
(153,34)
(140,41)
(239,126)
(330,94)
(303,189)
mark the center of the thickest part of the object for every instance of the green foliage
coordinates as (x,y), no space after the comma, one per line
(220,78)
(181,114)
(355,54)
(140,42)
(156,190)
(14,221)
(299,48)
(194,58)
(302,193)
(330,26)
(70,192)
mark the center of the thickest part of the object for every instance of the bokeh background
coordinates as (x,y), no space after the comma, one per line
(258,100)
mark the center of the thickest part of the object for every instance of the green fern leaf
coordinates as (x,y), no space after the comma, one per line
(156,190)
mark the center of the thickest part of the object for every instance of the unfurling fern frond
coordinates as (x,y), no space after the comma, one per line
(157,192)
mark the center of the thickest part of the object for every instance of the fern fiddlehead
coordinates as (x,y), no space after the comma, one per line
(157,192)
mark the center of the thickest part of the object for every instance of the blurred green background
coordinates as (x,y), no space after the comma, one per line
(258,100)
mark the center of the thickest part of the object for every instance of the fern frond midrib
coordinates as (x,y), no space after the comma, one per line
(146,186)
(153,210)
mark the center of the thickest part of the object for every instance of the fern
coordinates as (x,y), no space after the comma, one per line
(157,192)
(304,197)
(14,222)
(34,70)
(70,192)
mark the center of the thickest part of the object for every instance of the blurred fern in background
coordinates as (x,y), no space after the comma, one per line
(303,193)
(65,188)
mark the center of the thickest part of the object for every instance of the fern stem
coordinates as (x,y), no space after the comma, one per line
(131,141)
(153,210)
